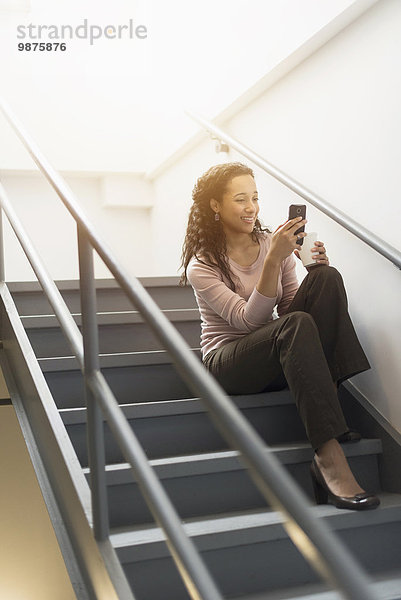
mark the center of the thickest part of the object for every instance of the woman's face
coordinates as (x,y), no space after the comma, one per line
(240,207)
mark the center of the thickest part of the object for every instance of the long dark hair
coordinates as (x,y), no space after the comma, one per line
(205,238)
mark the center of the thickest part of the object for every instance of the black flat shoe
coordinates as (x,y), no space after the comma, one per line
(349,436)
(363,501)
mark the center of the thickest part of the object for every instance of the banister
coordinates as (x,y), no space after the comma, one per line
(95,432)
(364,234)
(312,536)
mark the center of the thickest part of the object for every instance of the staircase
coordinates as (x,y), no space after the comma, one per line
(242,541)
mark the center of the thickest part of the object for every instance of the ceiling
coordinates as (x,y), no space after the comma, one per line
(117,103)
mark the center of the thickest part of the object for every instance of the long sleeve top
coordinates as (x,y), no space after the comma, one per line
(227,315)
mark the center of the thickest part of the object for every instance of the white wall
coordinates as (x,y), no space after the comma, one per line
(172,202)
(333,124)
(53,231)
(117,105)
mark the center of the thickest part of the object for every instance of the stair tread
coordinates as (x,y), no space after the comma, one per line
(387,586)
(180,406)
(267,522)
(112,359)
(228,460)
(19,287)
(38,321)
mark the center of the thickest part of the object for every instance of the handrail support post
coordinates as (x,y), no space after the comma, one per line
(95,433)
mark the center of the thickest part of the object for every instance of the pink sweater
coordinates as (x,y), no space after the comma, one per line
(228,315)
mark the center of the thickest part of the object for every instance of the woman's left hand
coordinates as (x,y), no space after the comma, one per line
(318,253)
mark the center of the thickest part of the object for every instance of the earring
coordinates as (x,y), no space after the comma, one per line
(216,216)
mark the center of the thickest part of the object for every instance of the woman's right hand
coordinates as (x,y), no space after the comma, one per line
(284,240)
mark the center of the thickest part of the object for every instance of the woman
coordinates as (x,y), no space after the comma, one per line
(240,273)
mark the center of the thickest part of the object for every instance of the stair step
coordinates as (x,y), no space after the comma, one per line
(118,332)
(116,360)
(267,524)
(151,378)
(218,482)
(386,587)
(170,428)
(30,300)
(250,553)
(109,318)
(141,410)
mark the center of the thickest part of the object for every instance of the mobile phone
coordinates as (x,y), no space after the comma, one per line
(298,210)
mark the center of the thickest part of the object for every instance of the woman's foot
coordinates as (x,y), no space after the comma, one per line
(334,468)
(333,480)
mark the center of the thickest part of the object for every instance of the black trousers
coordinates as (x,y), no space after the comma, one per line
(311,348)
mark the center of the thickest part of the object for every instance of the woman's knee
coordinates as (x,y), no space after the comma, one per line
(300,320)
(300,316)
(326,273)
(299,330)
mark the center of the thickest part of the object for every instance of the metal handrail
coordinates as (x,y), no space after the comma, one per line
(312,536)
(364,234)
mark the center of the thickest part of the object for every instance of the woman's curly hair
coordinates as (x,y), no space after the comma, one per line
(205,238)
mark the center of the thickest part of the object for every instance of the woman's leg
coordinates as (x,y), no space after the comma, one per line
(294,350)
(334,467)
(322,295)
(286,350)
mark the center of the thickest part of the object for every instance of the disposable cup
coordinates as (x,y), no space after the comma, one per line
(305,251)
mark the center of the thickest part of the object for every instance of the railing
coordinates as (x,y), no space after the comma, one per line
(331,211)
(312,536)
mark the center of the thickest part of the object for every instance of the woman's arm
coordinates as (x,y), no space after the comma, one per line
(268,281)
(290,284)
(239,313)
(283,243)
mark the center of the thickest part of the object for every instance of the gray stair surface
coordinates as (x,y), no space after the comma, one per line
(183,426)
(125,331)
(30,300)
(251,552)
(218,482)
(386,587)
(241,539)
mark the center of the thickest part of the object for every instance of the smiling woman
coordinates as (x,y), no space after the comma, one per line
(239,207)
(227,197)
(240,273)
